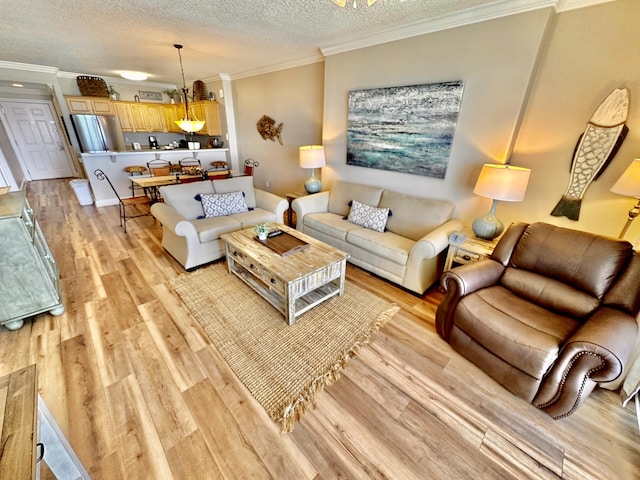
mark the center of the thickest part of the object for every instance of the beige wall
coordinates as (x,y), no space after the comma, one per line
(494,59)
(292,97)
(591,52)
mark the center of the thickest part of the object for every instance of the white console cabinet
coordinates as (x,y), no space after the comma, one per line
(29,280)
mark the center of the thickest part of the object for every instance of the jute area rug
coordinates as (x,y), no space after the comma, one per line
(284,367)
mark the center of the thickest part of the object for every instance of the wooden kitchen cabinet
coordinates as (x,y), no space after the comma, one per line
(210,113)
(90,105)
(139,117)
(172,113)
(155,118)
(28,272)
(123,111)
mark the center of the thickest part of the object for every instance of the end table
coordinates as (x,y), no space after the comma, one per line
(468,250)
(290,198)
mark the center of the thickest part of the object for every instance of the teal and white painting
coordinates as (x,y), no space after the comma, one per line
(404,129)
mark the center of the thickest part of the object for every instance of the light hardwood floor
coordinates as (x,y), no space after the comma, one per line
(141,393)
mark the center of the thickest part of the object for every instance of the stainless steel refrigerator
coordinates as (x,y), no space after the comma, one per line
(98,133)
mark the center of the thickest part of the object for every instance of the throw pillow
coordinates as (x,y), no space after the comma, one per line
(367,216)
(220,204)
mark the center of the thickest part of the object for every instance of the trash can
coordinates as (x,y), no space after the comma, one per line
(83,192)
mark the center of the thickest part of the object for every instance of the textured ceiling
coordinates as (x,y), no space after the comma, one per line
(233,37)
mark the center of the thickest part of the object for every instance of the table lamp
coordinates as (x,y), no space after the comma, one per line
(498,182)
(312,156)
(629,185)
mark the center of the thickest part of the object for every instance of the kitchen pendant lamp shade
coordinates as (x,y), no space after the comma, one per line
(629,185)
(187,124)
(498,182)
(312,156)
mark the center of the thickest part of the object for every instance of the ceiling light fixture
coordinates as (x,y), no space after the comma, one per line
(342,3)
(186,123)
(138,76)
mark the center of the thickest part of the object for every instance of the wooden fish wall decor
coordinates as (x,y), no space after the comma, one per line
(596,147)
(268,130)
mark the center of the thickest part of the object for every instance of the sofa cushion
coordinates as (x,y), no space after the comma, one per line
(367,216)
(330,224)
(182,198)
(344,192)
(414,217)
(386,245)
(521,333)
(221,204)
(244,184)
(210,229)
(255,216)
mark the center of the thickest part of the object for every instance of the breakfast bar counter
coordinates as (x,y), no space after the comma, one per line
(113,164)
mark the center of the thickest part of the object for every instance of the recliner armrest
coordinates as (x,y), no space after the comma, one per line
(472,276)
(596,352)
(460,282)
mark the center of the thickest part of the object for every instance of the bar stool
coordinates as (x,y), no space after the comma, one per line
(134,170)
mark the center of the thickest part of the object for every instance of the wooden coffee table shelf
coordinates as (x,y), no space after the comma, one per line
(293,284)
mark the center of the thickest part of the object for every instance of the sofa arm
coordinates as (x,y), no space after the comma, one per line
(423,265)
(272,203)
(316,203)
(462,281)
(435,241)
(171,219)
(596,352)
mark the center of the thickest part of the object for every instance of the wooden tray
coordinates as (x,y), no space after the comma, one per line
(284,244)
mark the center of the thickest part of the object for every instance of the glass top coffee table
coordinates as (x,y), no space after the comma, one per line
(293,282)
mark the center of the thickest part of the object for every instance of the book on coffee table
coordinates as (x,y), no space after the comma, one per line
(284,244)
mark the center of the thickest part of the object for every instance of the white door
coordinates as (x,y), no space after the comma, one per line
(37,137)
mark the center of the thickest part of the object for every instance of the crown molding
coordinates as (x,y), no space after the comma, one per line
(28,67)
(566,5)
(299,62)
(502,8)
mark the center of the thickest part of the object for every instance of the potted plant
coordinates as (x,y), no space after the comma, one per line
(172,94)
(262,229)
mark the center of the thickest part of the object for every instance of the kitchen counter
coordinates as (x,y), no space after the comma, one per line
(114,163)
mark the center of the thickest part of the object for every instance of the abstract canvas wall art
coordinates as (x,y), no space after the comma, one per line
(405,129)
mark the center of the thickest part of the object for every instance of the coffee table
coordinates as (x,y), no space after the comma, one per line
(293,283)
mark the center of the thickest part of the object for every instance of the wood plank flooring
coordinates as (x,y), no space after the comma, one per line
(141,393)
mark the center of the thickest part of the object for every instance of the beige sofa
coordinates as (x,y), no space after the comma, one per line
(410,250)
(194,241)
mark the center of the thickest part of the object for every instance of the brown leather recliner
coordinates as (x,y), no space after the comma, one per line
(549,315)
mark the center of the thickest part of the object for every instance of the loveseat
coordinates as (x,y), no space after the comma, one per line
(194,215)
(551,314)
(397,236)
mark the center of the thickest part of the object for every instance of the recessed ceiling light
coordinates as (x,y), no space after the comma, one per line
(19,85)
(134,75)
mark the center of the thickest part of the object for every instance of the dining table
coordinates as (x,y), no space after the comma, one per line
(151,183)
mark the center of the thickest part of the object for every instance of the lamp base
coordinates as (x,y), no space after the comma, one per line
(487,227)
(312,185)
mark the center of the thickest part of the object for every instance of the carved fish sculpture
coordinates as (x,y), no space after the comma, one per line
(268,130)
(596,147)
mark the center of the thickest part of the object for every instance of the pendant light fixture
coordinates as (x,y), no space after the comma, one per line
(186,124)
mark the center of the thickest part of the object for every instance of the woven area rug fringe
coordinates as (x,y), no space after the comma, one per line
(292,413)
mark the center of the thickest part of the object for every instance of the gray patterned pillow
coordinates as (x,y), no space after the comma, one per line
(368,216)
(220,204)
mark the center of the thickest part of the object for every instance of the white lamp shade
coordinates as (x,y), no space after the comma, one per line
(312,156)
(502,182)
(629,182)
